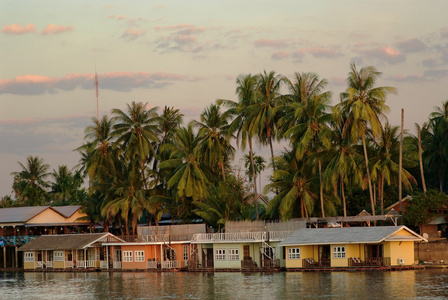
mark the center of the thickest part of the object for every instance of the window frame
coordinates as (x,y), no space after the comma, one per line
(29,256)
(294,253)
(233,254)
(139,255)
(339,252)
(127,256)
(186,254)
(220,254)
(58,256)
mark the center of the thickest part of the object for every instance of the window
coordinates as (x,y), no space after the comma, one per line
(339,252)
(185,252)
(220,254)
(139,255)
(29,256)
(293,253)
(58,255)
(127,256)
(234,254)
(117,255)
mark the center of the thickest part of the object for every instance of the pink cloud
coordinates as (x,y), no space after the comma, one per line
(444,32)
(119,81)
(171,27)
(322,52)
(18,29)
(280,55)
(121,17)
(111,16)
(132,34)
(407,78)
(56,29)
(337,80)
(185,39)
(271,43)
(386,54)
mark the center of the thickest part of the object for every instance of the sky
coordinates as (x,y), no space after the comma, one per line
(187,54)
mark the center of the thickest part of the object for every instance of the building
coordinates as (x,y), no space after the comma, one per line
(383,246)
(68,251)
(243,246)
(19,225)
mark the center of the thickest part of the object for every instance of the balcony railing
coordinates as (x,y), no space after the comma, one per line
(270,263)
(17,240)
(151,264)
(117,264)
(173,264)
(233,236)
(68,264)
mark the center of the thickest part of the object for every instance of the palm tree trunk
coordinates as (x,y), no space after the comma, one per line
(254,175)
(321,189)
(343,195)
(382,194)
(272,153)
(420,159)
(368,174)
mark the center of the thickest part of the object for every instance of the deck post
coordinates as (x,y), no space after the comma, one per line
(107,257)
(4,256)
(16,260)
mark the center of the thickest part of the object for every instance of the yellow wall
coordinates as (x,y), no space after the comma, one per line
(58,265)
(396,250)
(50,216)
(28,265)
(305,252)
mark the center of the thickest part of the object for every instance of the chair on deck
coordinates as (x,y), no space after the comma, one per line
(356,261)
(310,263)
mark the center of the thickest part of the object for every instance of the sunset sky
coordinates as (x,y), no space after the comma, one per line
(188,53)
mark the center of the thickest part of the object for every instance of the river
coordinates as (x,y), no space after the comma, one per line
(422,284)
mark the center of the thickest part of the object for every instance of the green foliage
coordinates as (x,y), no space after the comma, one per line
(424,206)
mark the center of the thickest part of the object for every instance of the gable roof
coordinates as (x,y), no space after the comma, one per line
(20,214)
(66,211)
(349,235)
(69,241)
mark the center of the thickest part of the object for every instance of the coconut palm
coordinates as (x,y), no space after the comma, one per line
(310,132)
(365,104)
(214,145)
(97,151)
(267,97)
(293,184)
(30,184)
(66,185)
(243,114)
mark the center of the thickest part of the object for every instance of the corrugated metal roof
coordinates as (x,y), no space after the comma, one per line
(67,241)
(344,235)
(20,214)
(67,211)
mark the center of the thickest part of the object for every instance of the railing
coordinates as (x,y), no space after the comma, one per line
(154,238)
(233,236)
(279,235)
(117,264)
(377,261)
(324,262)
(17,240)
(68,264)
(38,264)
(193,264)
(91,263)
(173,264)
(270,263)
(49,264)
(81,264)
(248,264)
(152,264)
(103,264)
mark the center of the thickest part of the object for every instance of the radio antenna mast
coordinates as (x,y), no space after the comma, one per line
(96,92)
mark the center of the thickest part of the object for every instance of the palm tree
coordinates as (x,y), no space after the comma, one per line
(343,159)
(259,165)
(214,145)
(97,151)
(243,113)
(310,132)
(293,184)
(189,177)
(365,104)
(267,98)
(30,184)
(386,165)
(66,185)
(136,132)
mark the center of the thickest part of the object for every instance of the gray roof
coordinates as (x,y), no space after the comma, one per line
(68,241)
(348,235)
(67,211)
(20,214)
(23,214)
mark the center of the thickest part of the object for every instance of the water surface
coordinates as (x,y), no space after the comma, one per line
(426,284)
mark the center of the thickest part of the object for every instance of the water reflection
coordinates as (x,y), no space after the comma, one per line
(427,284)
